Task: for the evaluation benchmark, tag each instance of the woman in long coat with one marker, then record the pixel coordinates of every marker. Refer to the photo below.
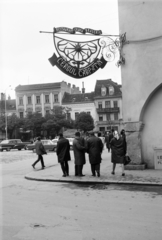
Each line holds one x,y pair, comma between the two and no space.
63,154
79,154
94,149
118,151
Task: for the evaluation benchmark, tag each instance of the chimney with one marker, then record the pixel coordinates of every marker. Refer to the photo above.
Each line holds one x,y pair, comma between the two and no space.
83,89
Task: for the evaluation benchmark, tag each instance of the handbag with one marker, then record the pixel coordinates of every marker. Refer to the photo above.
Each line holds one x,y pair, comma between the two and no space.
127,160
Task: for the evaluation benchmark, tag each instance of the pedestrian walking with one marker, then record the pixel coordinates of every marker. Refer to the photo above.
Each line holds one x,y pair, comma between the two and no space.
63,154
94,149
118,151
40,151
79,149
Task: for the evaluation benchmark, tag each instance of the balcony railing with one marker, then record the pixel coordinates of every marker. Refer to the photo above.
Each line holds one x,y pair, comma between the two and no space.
108,110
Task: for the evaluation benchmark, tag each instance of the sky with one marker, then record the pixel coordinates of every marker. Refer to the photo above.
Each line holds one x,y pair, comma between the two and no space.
24,51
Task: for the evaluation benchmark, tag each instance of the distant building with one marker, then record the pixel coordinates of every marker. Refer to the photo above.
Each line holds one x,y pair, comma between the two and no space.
10,107
76,103
104,105
41,97
108,104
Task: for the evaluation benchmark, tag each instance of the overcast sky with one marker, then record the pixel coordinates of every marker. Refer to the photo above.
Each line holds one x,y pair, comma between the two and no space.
24,52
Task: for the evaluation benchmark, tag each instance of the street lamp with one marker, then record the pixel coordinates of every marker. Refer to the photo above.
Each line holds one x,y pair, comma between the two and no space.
6,111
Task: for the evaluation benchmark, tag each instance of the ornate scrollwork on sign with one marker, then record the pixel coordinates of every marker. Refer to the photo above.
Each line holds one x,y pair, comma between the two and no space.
81,59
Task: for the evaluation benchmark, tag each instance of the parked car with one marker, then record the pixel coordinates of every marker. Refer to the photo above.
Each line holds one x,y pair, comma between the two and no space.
55,140
71,142
12,144
48,145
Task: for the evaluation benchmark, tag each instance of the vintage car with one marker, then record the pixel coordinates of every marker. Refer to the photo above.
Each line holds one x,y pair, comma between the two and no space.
55,140
48,144
9,144
71,142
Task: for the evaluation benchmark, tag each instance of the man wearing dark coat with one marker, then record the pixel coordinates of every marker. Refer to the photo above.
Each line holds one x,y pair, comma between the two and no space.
63,154
94,149
40,150
79,154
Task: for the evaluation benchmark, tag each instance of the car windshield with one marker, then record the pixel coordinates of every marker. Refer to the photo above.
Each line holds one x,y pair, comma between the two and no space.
47,142
5,141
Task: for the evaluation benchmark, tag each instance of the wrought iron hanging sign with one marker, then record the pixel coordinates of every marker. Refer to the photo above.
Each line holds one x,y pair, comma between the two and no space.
80,59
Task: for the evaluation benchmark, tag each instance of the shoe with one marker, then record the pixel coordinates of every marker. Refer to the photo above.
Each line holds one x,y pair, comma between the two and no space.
81,175
93,175
113,173
43,167
33,166
123,174
64,175
98,174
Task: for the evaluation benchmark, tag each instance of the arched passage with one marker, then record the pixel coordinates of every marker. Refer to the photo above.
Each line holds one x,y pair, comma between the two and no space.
151,135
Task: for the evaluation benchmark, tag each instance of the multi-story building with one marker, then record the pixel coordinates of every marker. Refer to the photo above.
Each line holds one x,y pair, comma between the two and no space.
104,105
108,104
76,103
41,97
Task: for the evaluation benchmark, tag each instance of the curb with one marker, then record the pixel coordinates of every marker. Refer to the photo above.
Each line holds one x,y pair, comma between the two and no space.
96,182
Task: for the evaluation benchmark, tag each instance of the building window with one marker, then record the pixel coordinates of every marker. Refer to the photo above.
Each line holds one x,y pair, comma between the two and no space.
21,114
107,104
46,98
76,115
89,113
115,104
100,105
29,100
37,99
102,129
108,116
115,116
103,91
100,117
111,90
68,116
29,112
55,97
47,111
21,101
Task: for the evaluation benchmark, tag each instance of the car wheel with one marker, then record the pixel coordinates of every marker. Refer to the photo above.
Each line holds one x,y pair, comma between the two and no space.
19,149
25,148
8,149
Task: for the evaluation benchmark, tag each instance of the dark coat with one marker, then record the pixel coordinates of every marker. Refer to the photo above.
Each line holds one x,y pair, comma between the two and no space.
63,150
94,149
118,150
40,150
79,151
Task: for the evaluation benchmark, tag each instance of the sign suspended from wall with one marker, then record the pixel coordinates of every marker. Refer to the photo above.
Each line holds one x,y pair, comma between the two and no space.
80,59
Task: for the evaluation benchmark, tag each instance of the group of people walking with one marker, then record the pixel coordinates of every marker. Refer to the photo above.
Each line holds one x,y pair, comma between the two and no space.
93,146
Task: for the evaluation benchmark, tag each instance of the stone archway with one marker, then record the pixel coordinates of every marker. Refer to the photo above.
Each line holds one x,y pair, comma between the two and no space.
151,134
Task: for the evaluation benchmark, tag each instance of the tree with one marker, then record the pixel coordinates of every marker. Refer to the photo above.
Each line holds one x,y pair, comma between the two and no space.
84,122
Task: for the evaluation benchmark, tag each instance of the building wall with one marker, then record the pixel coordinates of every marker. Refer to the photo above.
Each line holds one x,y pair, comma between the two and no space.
142,72
106,124
82,107
43,106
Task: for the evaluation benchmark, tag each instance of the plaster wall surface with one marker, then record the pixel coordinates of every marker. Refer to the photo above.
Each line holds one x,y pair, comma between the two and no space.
151,136
142,71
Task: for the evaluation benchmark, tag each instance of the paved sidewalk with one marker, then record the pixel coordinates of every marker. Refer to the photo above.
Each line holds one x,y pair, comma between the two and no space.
53,173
